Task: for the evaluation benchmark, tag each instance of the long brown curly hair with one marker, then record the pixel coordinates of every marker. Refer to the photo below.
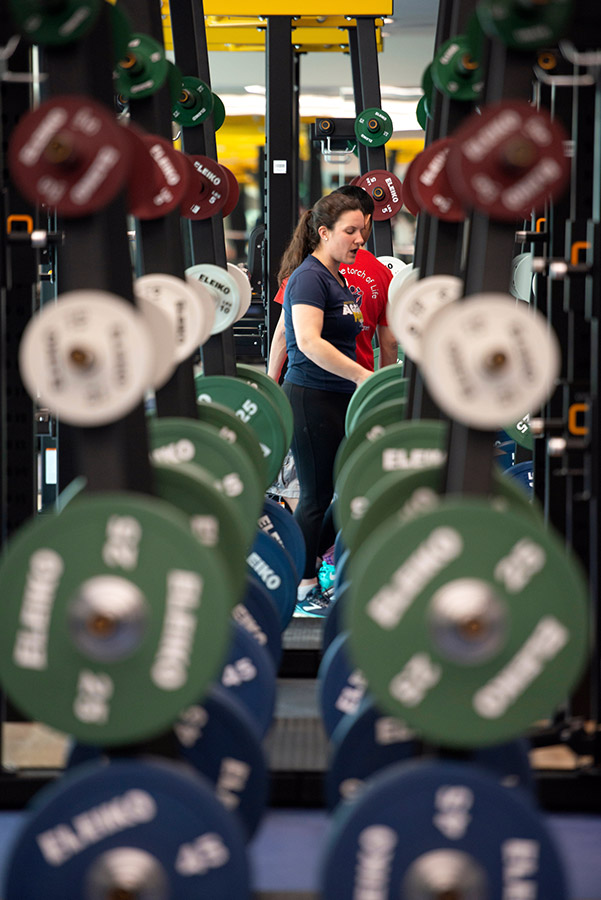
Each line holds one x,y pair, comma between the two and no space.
305,239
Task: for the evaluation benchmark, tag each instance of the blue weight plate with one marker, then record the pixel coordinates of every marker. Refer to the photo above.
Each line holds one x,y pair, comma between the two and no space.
342,567
340,685
273,567
280,524
249,675
338,547
434,829
523,473
258,614
219,739
504,453
333,625
365,743
128,829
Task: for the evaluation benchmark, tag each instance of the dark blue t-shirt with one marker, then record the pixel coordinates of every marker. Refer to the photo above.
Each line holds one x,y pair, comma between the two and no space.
313,284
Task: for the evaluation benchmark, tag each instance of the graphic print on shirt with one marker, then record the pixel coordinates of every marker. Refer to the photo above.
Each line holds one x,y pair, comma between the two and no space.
353,307
357,292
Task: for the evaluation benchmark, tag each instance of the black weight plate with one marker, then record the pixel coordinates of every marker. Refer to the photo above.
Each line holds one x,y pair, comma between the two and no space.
249,675
281,525
340,685
272,565
259,615
440,830
101,829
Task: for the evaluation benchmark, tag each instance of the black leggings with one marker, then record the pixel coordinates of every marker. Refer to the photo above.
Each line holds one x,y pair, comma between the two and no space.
318,430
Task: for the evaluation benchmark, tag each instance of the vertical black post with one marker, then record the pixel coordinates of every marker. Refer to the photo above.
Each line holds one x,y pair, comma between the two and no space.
281,142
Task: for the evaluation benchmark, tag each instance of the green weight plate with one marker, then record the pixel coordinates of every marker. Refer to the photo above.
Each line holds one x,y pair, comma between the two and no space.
231,428
421,113
373,127
218,112
427,84
375,380
113,618
254,408
121,29
455,72
402,447
195,103
143,70
55,25
175,441
214,519
370,426
402,495
469,624
524,26
520,432
390,389
273,390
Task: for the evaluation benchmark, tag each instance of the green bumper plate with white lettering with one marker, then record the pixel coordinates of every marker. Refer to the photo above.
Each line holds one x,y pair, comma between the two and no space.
213,518
113,618
252,406
469,624
368,428
403,495
392,389
175,440
402,447
231,428
273,390
387,375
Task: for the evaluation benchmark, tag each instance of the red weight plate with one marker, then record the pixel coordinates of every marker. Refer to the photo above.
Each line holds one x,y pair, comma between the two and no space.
233,193
430,185
159,177
409,201
69,154
386,191
509,160
207,189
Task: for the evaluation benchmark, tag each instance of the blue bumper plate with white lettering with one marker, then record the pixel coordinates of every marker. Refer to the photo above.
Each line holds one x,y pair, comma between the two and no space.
365,743
340,685
219,739
273,567
259,615
434,829
113,618
469,623
333,625
281,525
130,829
523,474
249,675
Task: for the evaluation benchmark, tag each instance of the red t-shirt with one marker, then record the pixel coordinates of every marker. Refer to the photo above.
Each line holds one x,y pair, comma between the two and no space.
368,280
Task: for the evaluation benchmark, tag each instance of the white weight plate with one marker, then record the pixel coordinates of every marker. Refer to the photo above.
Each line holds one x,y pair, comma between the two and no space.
244,289
416,305
207,303
180,302
89,357
520,284
163,337
393,264
487,358
223,289
399,281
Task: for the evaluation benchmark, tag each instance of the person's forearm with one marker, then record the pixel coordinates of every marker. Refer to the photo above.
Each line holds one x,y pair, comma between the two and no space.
277,351
388,347
328,357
